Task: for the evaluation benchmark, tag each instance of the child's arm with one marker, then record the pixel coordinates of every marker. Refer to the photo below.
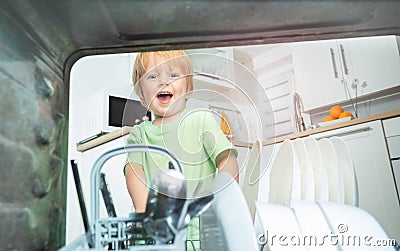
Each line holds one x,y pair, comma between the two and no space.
226,162
136,184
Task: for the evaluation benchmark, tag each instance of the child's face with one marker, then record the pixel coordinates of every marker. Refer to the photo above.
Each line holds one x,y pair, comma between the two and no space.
164,88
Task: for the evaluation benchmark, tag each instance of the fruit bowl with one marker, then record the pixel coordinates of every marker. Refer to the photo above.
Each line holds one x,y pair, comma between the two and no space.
332,122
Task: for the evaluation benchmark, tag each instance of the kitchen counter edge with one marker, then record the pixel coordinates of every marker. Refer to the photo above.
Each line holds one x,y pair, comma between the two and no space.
380,116
126,130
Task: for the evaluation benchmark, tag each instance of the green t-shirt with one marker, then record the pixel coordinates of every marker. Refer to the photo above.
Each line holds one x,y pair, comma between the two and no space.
194,138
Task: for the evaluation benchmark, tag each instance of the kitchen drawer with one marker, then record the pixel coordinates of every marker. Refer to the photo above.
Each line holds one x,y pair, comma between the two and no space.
396,172
392,126
393,146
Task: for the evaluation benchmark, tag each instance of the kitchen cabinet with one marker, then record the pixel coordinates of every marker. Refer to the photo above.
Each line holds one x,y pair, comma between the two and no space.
392,133
376,185
323,67
396,173
316,81
213,72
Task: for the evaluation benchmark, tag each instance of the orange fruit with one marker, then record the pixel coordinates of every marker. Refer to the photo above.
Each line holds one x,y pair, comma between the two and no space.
335,111
345,114
328,118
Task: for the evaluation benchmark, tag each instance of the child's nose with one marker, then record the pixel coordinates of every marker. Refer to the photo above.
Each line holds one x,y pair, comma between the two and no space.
163,81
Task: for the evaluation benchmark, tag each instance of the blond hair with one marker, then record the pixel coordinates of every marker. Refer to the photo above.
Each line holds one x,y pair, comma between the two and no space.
177,58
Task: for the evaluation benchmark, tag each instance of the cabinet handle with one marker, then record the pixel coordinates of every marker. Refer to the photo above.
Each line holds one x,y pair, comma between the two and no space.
363,129
335,72
346,69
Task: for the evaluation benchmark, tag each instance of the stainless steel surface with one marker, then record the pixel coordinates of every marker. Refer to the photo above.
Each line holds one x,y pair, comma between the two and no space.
298,109
342,52
193,208
349,132
43,39
165,205
335,71
69,29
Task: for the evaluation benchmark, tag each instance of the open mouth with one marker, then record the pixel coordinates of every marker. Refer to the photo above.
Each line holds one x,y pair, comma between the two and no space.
164,97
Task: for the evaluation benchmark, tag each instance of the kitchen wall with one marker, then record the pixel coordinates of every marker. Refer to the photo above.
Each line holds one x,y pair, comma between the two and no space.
90,75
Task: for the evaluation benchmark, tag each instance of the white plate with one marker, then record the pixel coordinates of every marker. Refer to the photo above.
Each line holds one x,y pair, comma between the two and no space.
319,173
347,171
277,220
252,176
306,174
349,221
312,222
284,184
329,161
332,122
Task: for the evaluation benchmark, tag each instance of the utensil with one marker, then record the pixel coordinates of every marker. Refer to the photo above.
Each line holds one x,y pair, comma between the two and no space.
194,208
82,204
165,203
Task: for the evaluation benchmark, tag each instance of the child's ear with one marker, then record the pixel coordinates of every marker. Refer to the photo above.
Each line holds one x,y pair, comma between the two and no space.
142,100
141,96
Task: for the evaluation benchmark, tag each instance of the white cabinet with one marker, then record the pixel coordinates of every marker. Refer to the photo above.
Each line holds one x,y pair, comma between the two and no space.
322,68
374,60
377,190
396,173
392,133
315,79
213,72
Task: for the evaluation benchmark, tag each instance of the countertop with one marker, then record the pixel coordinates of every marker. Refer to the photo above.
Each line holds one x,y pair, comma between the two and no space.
380,116
126,130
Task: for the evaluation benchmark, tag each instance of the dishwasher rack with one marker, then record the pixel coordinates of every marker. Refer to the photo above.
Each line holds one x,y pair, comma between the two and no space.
129,233
124,233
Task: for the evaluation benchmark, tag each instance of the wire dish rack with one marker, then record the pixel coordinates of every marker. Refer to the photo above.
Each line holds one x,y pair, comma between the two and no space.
129,233
122,233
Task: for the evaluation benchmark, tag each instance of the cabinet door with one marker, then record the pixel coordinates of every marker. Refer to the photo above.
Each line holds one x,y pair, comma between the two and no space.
214,72
396,173
318,73
377,190
321,67
374,60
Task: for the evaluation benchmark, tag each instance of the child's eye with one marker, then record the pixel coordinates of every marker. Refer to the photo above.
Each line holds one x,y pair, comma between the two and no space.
174,75
152,76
